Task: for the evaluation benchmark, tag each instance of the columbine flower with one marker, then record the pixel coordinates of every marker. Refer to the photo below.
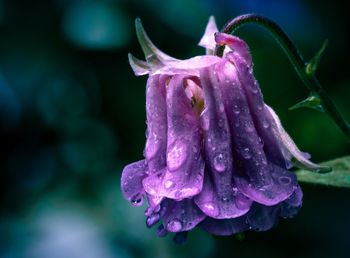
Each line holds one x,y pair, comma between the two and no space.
216,155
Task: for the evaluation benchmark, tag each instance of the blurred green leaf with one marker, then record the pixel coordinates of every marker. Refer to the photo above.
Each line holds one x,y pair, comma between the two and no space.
339,177
312,101
312,66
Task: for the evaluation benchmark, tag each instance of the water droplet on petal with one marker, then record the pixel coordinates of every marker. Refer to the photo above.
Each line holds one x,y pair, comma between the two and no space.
152,219
210,209
236,109
285,180
221,107
168,184
266,124
220,162
174,225
234,190
260,107
246,153
176,156
137,200
249,129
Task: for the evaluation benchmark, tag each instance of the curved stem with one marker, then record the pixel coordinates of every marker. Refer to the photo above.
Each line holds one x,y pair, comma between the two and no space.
296,59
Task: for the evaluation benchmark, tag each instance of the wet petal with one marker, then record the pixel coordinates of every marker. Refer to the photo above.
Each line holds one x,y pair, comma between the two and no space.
183,176
262,119
291,206
256,178
131,181
208,39
181,215
219,197
225,227
155,149
262,218
236,44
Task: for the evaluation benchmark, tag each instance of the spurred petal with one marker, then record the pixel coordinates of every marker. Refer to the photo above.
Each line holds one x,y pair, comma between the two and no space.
181,215
155,149
258,179
236,44
290,150
219,197
153,55
208,40
131,181
138,66
183,176
225,227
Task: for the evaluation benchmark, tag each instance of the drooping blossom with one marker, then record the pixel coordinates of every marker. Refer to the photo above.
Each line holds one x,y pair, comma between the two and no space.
216,156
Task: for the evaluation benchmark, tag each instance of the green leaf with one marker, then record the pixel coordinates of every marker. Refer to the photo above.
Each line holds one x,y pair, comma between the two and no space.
312,66
312,101
339,177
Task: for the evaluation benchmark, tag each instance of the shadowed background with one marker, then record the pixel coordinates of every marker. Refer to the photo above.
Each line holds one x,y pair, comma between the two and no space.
72,114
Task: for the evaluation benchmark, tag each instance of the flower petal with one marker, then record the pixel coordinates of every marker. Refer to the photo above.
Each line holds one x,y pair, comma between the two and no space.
138,66
258,179
181,215
153,55
291,206
219,197
189,66
183,176
208,40
262,119
290,150
236,44
225,227
262,218
155,149
131,181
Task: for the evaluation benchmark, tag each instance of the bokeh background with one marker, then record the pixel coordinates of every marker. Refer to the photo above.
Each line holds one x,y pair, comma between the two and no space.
72,114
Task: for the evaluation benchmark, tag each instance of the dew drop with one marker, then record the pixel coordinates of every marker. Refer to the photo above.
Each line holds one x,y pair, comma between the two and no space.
137,200
220,162
234,190
210,209
285,180
236,124
260,107
266,124
168,184
249,129
255,90
221,107
152,219
195,150
246,153
174,225
205,123
176,156
236,109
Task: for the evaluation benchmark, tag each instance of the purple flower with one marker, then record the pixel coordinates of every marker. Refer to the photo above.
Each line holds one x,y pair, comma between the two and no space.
216,155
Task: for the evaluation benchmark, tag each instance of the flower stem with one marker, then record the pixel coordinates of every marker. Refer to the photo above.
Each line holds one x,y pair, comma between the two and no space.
295,58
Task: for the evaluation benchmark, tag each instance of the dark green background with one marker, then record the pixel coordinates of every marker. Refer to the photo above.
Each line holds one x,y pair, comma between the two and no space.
72,115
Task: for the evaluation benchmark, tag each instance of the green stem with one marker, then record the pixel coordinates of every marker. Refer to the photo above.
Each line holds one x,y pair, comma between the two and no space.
296,59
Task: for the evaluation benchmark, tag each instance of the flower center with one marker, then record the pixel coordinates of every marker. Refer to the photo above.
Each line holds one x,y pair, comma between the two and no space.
195,93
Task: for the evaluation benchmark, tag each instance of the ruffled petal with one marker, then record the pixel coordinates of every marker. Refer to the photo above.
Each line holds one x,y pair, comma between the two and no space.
219,197
262,218
183,176
131,182
236,44
181,215
290,150
256,178
225,227
291,206
155,149
208,40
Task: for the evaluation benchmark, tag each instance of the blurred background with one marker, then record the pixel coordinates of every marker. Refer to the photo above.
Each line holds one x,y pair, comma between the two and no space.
72,114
